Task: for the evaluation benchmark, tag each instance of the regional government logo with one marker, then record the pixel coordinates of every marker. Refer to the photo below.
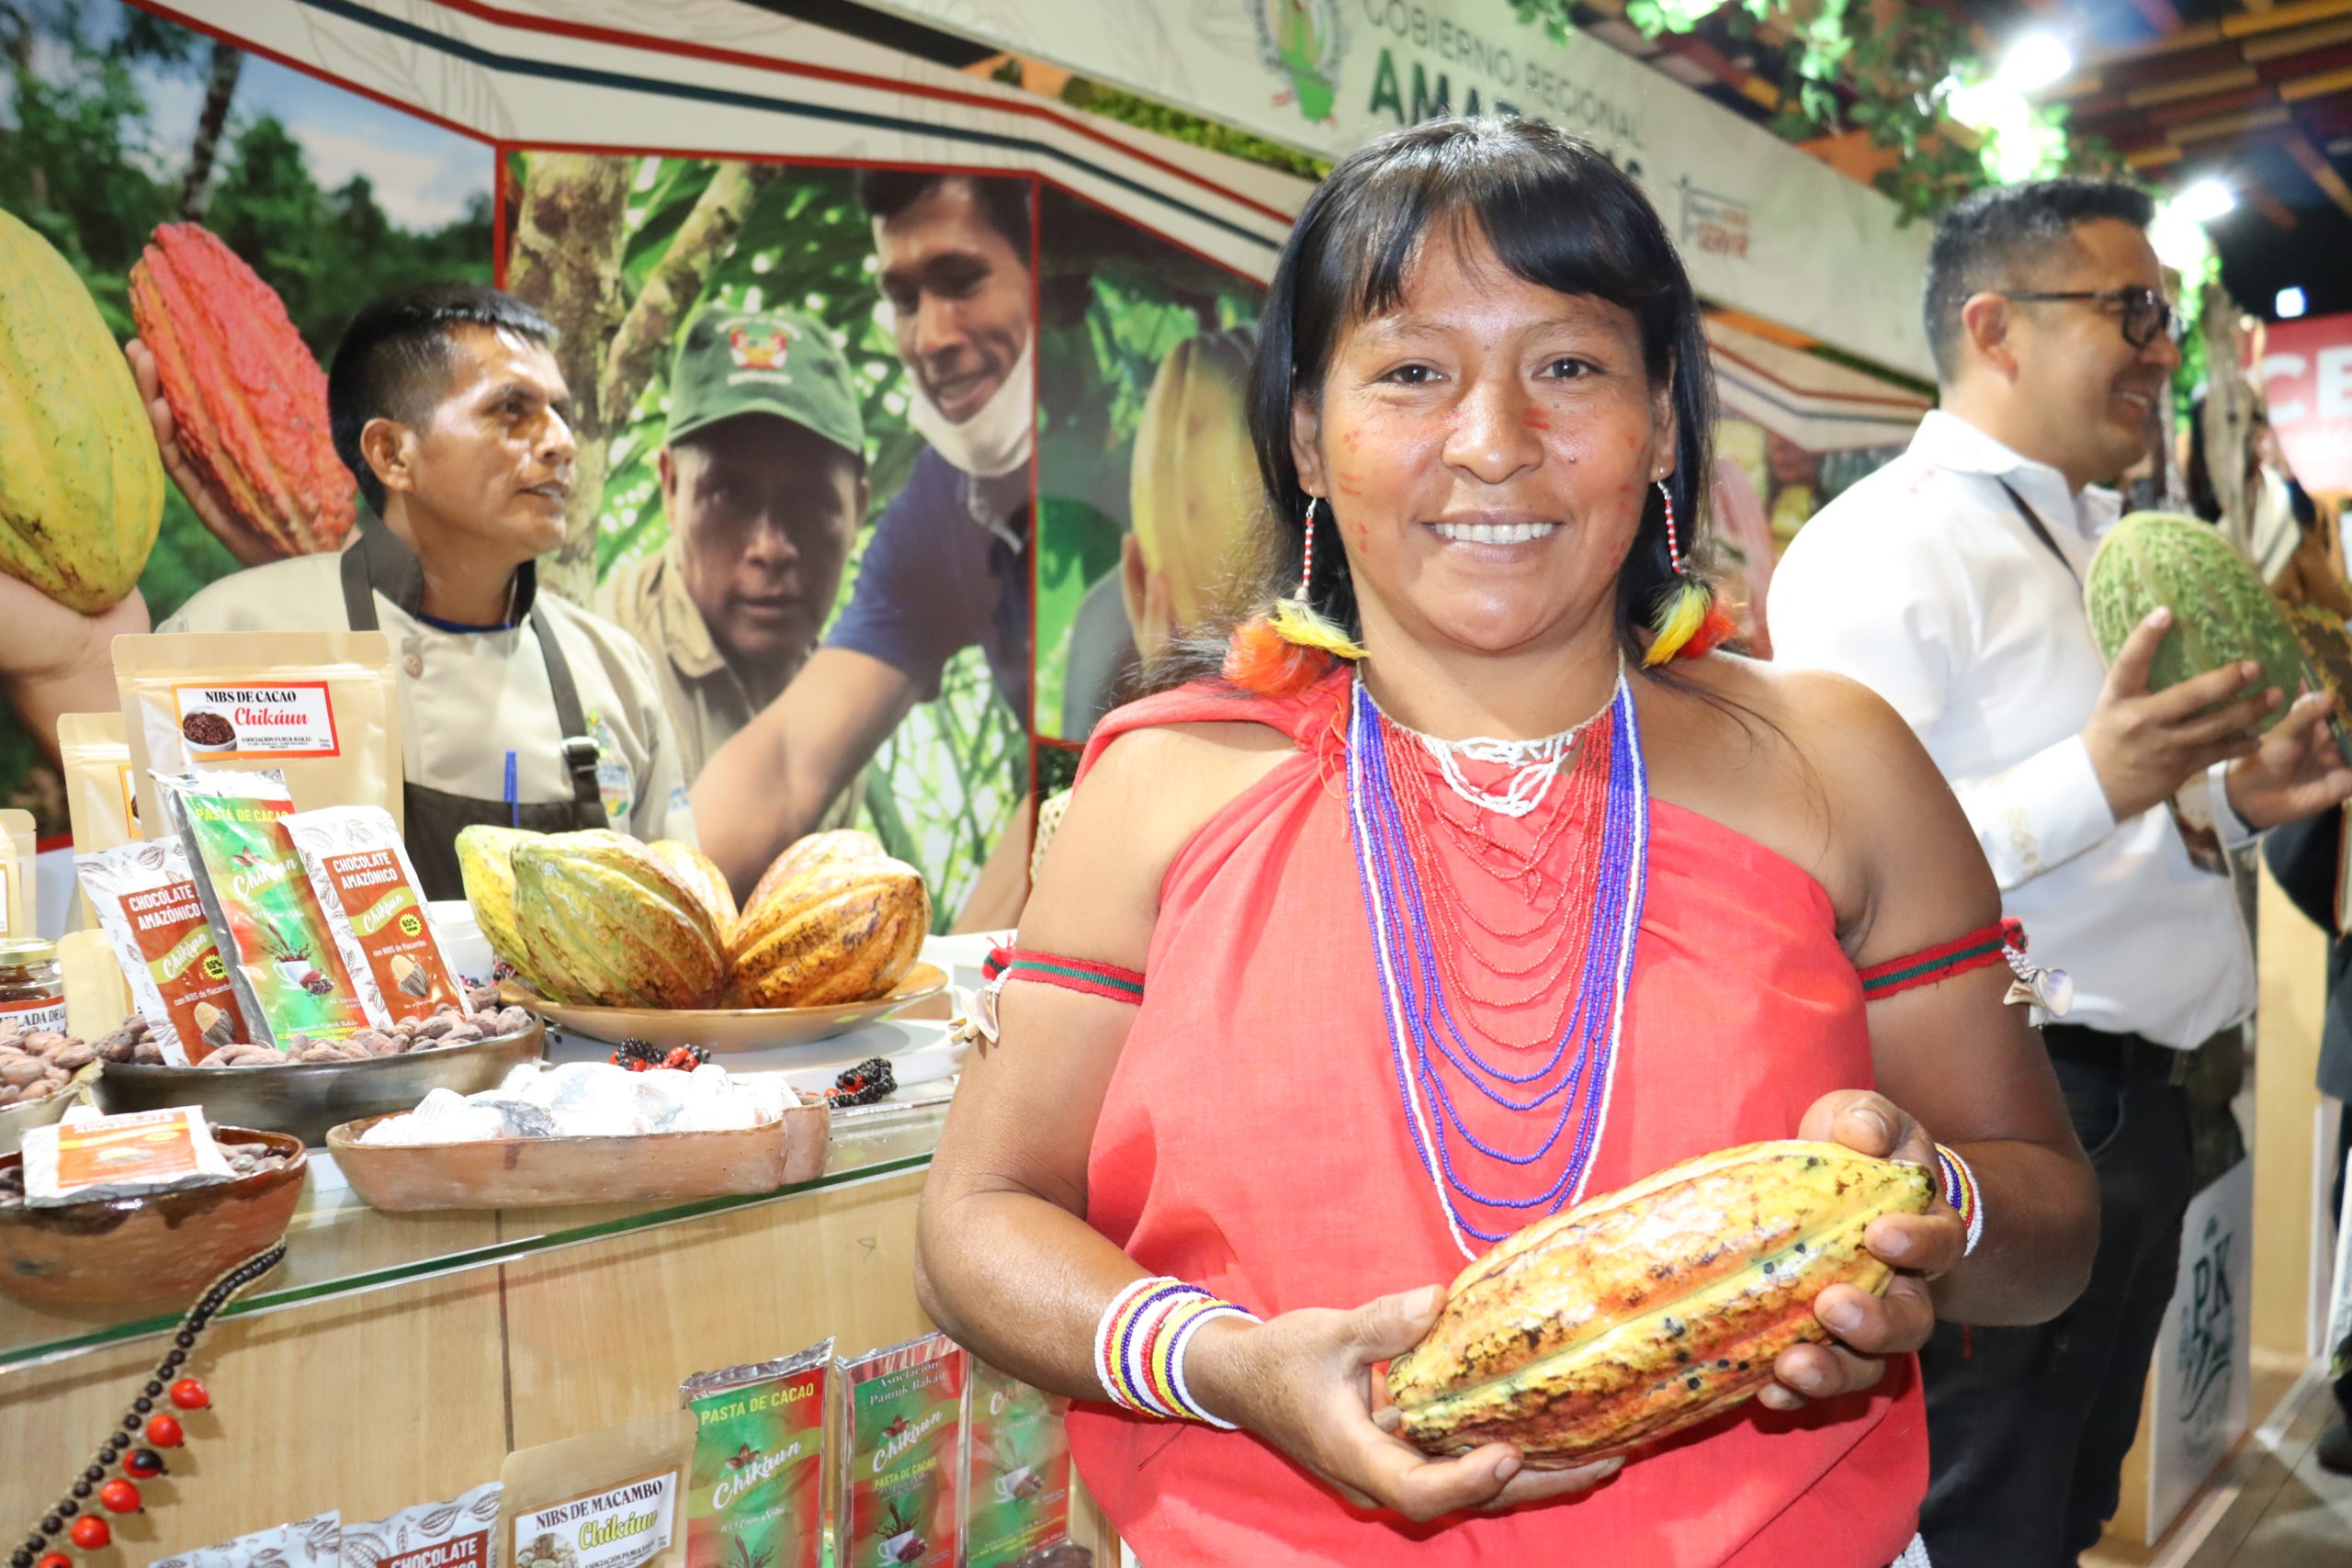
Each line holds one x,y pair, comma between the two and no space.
764,349
1300,41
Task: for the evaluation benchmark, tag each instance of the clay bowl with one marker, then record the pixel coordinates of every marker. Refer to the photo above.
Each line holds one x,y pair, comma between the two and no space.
44,1113
114,1251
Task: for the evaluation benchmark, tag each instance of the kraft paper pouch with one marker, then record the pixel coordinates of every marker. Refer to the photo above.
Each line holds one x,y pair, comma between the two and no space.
1016,1485
459,1533
288,978
19,918
153,914
320,708
756,1484
100,800
902,1454
360,875
607,1499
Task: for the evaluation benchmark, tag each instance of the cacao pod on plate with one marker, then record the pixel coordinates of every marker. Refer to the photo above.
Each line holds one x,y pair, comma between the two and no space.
836,930
606,924
249,401
1645,1311
486,864
816,853
702,878
2221,611
80,486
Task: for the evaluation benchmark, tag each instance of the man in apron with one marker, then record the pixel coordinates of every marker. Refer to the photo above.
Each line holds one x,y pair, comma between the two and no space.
517,709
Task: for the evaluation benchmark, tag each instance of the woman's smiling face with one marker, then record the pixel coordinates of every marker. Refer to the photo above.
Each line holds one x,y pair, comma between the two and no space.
1486,447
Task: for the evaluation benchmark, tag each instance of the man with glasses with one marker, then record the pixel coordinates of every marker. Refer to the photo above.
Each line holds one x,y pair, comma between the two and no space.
1951,583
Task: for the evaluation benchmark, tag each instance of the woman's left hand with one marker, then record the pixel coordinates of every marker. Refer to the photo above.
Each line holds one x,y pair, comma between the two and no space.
1865,1329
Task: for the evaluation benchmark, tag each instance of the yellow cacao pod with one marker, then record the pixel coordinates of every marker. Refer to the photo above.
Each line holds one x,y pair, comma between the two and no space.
606,924
803,856
486,865
1193,486
80,485
702,879
1647,1310
838,931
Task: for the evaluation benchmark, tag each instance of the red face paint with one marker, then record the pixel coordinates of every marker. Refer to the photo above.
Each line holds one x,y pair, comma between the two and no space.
1536,419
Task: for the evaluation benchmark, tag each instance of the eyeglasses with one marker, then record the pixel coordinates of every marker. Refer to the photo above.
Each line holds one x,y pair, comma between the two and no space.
2146,311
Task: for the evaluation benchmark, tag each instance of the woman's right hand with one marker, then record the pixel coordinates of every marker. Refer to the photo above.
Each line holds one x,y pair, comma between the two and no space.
1303,1381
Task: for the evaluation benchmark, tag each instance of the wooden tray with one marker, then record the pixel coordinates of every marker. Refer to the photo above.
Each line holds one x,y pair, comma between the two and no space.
535,1173
729,1029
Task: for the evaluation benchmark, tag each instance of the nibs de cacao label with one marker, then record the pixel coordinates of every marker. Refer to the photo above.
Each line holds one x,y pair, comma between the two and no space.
757,1479
903,1461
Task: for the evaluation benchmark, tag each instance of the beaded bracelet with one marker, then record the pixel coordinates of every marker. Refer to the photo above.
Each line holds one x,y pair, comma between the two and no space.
1960,1191
1140,1343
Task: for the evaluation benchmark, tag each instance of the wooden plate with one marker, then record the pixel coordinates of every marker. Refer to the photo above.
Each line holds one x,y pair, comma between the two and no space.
727,1028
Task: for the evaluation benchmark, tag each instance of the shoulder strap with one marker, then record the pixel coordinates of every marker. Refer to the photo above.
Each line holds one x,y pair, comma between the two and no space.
1302,714
579,746
2033,521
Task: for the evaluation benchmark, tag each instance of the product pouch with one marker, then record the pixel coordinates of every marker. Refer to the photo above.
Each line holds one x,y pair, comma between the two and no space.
101,803
18,917
82,1159
314,1542
320,708
147,904
1016,1485
902,1454
97,993
287,977
365,888
757,1479
459,1533
605,1499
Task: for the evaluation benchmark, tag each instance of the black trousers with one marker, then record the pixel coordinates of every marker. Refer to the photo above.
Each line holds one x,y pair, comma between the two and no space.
2027,1427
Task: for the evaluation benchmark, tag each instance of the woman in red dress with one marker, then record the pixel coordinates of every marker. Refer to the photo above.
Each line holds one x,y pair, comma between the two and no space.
1354,965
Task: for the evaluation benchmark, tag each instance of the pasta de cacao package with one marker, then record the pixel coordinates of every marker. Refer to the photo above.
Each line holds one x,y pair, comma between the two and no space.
18,917
100,800
459,1533
146,901
902,1454
322,709
756,1483
1016,1482
367,889
287,977
605,1499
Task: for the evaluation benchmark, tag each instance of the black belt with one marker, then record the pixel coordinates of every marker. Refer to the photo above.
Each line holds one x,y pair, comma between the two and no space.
2133,1059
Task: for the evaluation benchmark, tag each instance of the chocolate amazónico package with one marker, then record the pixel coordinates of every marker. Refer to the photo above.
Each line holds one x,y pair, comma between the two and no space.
1017,1478
459,1533
146,902
314,1542
902,1456
605,1499
756,1483
289,977
367,889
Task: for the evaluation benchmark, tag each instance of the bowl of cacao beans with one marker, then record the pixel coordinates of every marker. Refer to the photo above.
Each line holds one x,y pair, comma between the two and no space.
41,1075
310,1086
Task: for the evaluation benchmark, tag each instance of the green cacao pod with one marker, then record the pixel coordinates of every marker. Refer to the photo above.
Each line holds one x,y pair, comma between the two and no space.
80,486
1640,1312
606,924
2221,613
249,401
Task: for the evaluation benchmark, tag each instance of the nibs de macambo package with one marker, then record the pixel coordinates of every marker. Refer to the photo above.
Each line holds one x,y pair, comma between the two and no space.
289,976
603,1499
360,874
146,901
320,708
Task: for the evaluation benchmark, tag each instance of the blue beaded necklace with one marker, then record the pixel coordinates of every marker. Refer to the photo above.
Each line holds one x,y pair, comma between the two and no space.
1426,1040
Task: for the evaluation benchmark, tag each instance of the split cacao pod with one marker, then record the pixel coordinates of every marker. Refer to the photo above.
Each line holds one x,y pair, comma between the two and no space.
606,923
702,879
2221,614
80,486
1645,1311
249,401
833,921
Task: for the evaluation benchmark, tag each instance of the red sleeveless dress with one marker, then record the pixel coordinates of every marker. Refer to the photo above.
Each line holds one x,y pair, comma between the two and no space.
1253,1142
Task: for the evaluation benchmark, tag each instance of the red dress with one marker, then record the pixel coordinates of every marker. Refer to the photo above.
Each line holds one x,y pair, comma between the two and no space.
1252,1142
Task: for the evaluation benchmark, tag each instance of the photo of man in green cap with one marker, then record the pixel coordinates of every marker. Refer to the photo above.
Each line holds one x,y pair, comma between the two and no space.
762,471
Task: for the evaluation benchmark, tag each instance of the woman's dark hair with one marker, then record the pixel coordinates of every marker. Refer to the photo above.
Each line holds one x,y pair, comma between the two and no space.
1555,211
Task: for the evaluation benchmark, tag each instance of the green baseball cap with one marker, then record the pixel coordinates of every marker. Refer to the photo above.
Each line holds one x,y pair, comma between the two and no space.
778,362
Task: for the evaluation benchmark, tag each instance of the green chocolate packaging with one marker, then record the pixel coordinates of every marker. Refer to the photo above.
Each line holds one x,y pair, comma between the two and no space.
1016,1484
756,1482
902,1456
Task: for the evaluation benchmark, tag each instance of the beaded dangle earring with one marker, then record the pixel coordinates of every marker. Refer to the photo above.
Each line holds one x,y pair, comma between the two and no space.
1686,622
1269,654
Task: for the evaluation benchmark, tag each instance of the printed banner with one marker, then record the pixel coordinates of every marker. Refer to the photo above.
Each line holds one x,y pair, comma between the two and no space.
2198,1383
2306,377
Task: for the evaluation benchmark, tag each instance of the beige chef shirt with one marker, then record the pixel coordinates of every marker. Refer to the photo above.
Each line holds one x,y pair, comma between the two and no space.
467,698
706,701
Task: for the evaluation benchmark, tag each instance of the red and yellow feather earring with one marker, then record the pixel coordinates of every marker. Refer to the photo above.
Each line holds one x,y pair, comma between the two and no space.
1276,653
1688,621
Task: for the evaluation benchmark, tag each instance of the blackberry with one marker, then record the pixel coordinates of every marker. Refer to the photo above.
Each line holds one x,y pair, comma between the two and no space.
863,1084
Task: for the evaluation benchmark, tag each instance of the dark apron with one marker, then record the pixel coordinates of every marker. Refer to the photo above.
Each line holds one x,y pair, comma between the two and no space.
435,816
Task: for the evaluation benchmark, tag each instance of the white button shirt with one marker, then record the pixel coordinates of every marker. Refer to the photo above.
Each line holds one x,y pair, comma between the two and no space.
1924,583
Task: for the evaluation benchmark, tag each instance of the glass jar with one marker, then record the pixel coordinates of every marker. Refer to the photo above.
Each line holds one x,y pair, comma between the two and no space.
32,989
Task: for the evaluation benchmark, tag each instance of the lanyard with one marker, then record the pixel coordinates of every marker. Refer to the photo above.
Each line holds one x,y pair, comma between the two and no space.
2039,532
